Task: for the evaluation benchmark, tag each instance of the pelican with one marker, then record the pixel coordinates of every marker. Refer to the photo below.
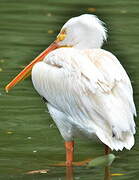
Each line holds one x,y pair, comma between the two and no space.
86,89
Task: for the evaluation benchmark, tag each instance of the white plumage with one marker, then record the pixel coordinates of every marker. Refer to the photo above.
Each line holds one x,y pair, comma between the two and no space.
91,92
86,87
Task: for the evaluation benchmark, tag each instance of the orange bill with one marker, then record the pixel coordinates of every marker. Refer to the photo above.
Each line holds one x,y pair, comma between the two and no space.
27,70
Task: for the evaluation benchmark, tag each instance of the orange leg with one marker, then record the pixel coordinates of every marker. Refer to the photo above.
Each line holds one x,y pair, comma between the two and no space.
107,150
69,145
107,169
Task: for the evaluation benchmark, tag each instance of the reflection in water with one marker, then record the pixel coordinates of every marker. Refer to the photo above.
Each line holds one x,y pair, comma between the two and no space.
70,173
107,175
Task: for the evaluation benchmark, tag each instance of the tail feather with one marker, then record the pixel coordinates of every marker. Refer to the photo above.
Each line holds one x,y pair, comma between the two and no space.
126,141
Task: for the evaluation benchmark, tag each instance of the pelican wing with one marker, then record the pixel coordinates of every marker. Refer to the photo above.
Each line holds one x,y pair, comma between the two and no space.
92,89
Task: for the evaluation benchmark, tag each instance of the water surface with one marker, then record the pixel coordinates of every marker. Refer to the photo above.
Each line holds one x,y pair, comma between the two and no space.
28,137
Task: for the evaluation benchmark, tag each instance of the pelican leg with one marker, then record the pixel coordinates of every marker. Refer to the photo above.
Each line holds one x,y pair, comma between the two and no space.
107,150
69,145
107,175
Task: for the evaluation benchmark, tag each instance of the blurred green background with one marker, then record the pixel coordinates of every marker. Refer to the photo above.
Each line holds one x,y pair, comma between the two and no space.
29,139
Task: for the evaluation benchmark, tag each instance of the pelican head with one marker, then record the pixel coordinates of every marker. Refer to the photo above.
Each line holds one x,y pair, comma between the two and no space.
82,32
85,31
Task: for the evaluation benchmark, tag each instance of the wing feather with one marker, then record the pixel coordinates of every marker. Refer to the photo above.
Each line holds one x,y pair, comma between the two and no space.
92,89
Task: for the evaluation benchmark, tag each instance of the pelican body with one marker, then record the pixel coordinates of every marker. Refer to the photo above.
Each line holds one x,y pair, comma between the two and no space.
87,90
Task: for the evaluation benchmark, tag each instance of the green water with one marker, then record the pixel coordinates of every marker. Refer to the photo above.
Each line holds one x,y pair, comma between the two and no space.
29,140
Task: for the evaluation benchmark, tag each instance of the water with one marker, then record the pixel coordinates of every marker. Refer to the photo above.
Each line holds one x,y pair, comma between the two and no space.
29,140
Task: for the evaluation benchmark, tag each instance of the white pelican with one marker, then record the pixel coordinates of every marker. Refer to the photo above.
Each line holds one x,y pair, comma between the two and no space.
87,91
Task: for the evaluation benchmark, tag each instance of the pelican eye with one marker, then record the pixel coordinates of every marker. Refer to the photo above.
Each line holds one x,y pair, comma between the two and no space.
61,36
